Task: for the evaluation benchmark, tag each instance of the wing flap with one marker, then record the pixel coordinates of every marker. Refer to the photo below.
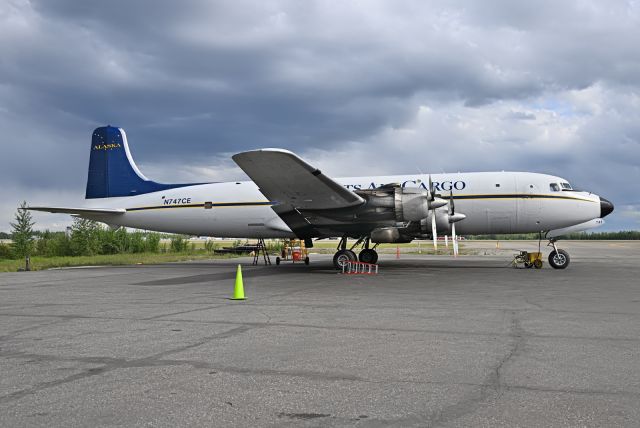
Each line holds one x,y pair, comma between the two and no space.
285,178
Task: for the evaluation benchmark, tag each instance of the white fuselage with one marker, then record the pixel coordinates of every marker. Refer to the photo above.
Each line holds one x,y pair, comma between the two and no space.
493,202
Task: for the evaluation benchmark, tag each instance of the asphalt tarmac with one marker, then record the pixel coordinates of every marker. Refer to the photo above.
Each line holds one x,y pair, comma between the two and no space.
430,341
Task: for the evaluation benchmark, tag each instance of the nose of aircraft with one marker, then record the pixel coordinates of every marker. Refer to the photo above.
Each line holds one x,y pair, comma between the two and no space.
606,207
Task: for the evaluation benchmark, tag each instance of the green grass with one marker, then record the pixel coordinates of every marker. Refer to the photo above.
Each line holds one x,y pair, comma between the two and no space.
41,263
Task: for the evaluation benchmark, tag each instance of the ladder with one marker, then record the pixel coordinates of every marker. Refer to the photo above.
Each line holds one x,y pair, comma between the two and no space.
261,248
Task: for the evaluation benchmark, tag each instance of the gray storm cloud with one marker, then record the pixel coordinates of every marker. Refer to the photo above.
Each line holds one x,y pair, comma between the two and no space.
357,87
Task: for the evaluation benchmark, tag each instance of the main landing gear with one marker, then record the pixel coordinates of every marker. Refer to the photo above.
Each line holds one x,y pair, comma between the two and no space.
558,259
344,255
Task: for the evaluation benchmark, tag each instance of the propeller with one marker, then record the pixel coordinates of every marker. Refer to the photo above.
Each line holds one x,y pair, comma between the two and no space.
434,201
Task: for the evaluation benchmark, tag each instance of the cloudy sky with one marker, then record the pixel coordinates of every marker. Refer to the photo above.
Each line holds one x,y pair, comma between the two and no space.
356,87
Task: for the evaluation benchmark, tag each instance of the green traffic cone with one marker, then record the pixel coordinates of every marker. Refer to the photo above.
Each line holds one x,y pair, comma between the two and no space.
238,291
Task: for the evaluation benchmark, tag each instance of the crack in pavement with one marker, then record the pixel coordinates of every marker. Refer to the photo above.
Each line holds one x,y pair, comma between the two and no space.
492,389
334,327
113,364
468,405
181,312
12,334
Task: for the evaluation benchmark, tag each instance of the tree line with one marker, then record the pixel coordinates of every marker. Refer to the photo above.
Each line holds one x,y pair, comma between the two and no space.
87,238
586,236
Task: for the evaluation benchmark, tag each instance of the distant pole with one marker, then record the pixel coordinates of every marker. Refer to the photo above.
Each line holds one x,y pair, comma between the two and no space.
27,263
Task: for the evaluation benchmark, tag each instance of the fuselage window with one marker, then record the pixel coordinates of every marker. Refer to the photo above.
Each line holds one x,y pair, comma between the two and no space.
208,205
554,187
497,185
566,186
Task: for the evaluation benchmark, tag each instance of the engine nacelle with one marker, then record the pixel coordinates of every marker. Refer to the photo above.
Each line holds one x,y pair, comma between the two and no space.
442,222
389,235
398,204
411,204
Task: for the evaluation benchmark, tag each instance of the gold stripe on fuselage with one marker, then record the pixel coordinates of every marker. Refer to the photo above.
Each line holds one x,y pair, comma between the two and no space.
201,205
457,196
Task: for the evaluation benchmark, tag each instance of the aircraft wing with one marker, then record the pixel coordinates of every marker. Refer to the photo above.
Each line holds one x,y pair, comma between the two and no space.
80,211
288,180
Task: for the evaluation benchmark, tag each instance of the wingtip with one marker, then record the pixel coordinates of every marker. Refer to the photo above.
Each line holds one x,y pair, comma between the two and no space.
266,149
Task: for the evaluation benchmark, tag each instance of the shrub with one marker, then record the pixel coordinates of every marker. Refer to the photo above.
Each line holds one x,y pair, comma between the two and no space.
178,244
44,243
5,252
108,241
85,237
210,246
136,242
152,242
60,246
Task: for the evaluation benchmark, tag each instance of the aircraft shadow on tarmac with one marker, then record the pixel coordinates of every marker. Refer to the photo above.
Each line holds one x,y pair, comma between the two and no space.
395,267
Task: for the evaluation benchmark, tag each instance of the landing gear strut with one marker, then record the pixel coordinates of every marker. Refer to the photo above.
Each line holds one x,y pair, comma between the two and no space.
558,259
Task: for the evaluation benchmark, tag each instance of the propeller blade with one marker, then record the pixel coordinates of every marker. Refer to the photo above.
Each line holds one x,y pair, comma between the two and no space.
454,237
452,207
432,195
434,231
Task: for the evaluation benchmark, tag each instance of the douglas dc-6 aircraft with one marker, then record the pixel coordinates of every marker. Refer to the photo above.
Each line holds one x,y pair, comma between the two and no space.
288,198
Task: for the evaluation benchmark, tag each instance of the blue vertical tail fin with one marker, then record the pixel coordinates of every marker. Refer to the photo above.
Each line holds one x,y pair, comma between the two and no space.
112,171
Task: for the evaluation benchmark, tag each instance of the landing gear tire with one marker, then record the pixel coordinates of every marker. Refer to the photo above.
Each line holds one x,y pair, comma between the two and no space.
559,259
306,260
277,261
368,256
537,264
342,257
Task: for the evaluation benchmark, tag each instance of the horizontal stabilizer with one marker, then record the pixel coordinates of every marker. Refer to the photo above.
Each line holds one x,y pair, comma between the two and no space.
80,211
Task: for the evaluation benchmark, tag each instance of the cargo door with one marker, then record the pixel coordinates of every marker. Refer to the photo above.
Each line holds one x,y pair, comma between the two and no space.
530,208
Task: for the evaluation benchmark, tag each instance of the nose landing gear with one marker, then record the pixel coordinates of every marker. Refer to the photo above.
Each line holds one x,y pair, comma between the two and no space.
558,259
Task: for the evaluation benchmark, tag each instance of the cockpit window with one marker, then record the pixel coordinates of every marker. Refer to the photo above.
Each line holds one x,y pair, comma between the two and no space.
554,187
566,186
